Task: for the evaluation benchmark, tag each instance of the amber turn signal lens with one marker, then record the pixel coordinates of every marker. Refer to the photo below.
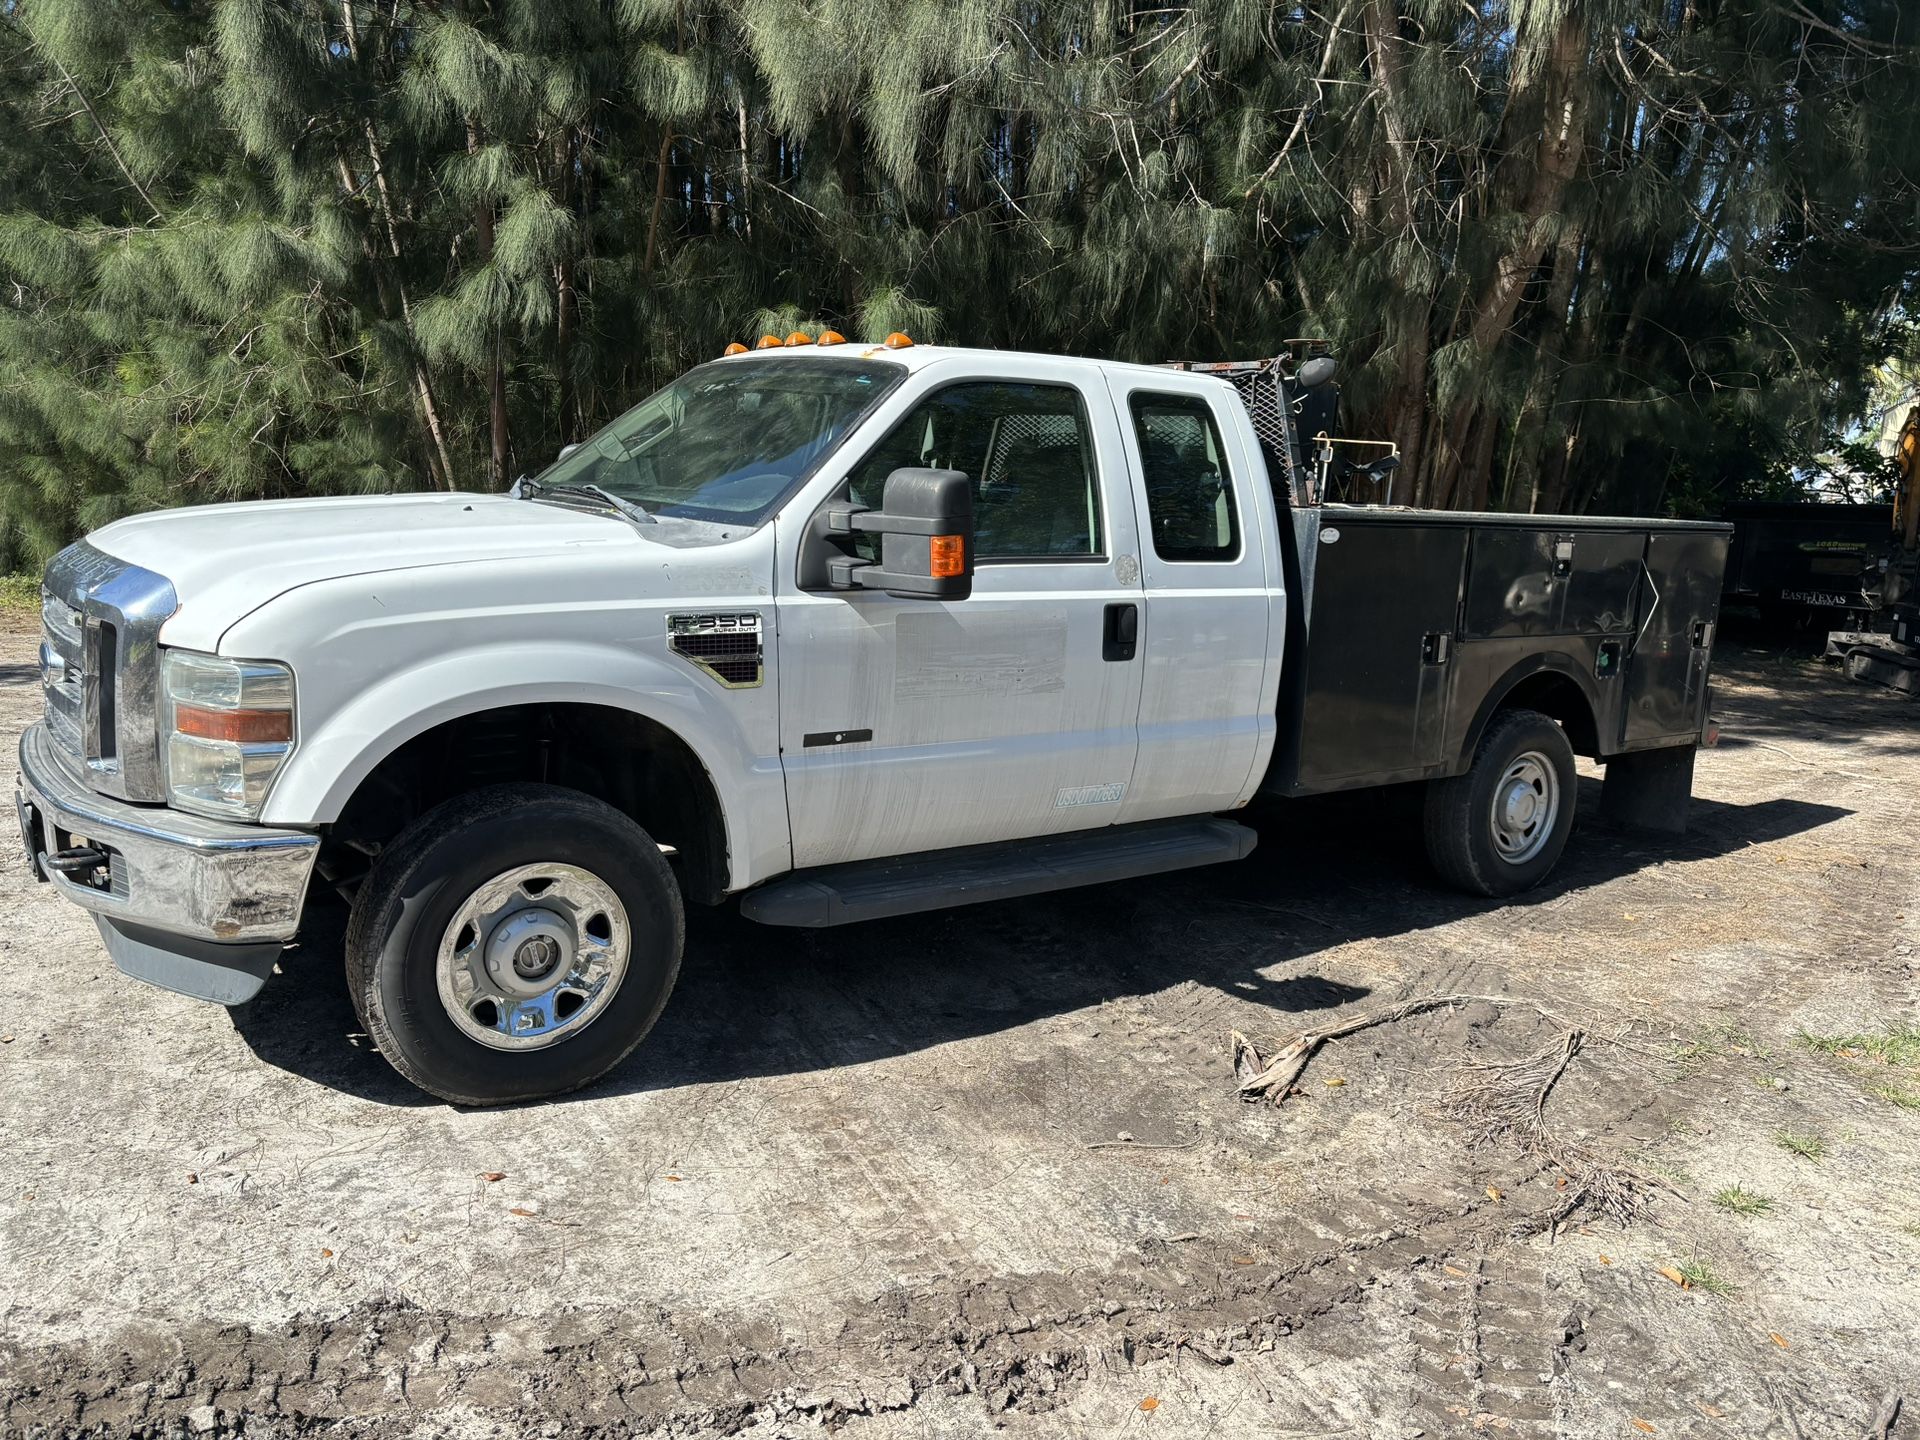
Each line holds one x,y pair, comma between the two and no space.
897,341
241,727
831,337
947,556
736,348
799,337
767,342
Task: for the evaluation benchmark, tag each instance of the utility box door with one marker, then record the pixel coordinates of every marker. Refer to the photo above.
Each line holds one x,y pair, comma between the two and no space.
1540,580
1386,600
1667,674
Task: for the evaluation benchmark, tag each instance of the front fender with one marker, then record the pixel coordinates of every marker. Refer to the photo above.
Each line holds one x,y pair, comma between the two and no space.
333,758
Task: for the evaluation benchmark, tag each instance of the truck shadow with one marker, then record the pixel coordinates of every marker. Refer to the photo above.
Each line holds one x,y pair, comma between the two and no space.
756,1002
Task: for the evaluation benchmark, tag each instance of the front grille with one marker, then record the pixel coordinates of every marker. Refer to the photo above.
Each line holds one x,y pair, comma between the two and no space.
100,620
62,664
727,647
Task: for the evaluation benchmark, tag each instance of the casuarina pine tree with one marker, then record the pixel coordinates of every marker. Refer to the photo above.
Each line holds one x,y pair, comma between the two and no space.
1623,255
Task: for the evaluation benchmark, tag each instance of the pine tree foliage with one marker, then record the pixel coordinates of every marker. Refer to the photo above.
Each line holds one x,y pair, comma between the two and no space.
1575,254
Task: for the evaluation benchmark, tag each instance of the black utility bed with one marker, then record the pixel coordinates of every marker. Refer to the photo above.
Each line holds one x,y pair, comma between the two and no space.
1407,629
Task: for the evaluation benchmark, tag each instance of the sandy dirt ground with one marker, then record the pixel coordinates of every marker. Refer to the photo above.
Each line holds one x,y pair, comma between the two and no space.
873,1180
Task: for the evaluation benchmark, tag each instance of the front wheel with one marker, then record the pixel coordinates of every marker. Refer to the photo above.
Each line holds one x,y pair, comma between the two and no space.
1499,828
514,943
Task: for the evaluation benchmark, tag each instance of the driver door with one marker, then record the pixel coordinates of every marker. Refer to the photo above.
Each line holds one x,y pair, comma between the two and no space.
912,725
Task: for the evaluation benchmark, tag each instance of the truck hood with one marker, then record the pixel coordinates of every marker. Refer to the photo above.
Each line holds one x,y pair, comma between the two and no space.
226,561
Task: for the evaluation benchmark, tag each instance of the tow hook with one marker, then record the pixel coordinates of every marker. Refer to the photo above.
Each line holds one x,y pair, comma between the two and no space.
78,862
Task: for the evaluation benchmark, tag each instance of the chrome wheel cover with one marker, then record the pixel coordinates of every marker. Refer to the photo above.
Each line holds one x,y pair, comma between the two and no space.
533,957
1526,803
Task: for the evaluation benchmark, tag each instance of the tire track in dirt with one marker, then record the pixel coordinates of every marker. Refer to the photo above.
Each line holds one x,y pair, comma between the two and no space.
1023,1343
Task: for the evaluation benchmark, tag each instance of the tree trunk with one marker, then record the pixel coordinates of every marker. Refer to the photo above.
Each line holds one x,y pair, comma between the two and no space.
746,175
499,457
565,301
1408,323
1555,102
1526,453
439,464
659,199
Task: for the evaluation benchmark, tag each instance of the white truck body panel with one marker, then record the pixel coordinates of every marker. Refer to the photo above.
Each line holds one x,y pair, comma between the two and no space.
1211,635
227,560
387,657
995,717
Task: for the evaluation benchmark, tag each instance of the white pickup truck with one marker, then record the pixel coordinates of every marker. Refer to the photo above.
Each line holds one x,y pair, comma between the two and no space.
844,631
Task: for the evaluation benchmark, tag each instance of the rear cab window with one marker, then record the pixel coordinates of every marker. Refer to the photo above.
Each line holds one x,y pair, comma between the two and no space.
1191,515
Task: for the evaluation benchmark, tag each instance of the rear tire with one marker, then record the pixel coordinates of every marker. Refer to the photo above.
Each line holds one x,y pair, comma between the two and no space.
1499,829
513,944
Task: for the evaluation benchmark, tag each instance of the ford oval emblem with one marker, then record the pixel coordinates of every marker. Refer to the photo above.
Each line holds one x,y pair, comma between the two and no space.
1329,535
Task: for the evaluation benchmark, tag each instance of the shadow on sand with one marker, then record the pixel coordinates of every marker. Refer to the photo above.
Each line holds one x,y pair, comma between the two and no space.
755,1001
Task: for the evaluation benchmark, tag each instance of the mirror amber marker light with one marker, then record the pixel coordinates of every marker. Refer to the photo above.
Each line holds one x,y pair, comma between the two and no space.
947,556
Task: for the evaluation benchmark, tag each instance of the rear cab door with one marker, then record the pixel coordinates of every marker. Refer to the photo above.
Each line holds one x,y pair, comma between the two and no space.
1214,592
910,725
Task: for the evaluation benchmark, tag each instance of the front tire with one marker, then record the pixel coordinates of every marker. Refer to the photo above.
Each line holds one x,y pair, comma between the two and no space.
1499,829
514,943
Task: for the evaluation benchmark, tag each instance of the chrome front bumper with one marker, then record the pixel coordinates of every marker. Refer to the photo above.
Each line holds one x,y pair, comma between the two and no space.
201,906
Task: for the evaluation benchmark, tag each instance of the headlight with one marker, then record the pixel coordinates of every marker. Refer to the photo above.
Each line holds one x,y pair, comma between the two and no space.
229,728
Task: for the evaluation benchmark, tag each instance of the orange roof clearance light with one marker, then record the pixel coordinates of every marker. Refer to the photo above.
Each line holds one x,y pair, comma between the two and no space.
831,337
767,342
736,348
947,555
799,337
897,341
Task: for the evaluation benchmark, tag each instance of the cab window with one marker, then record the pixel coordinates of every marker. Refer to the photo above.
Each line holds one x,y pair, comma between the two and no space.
1183,464
1028,452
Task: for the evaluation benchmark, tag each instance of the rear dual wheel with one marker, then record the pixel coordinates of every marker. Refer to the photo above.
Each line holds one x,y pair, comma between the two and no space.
513,944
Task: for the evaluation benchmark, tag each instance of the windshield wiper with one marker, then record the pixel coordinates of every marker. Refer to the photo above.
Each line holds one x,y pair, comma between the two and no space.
527,489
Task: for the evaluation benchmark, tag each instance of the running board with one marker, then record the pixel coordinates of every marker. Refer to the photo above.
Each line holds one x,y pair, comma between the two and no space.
938,879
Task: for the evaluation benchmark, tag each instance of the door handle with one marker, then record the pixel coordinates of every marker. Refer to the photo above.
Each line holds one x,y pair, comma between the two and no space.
1122,632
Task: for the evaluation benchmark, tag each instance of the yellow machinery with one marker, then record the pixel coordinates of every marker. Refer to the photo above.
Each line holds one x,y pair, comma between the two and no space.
1889,653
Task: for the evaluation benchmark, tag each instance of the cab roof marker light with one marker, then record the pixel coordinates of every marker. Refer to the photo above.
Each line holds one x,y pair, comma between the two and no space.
736,348
831,337
767,342
897,341
799,337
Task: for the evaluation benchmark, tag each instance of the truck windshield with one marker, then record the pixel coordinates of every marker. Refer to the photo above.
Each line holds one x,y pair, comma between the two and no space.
727,442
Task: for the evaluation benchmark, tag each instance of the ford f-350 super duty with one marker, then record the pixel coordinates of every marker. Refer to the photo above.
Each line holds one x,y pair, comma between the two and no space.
835,631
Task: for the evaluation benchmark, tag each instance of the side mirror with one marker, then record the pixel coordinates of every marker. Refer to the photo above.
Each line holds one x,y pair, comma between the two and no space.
1384,466
1316,372
925,525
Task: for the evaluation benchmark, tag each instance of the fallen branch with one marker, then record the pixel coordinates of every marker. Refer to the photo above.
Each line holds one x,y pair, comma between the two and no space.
1509,1102
1501,1101
1272,1078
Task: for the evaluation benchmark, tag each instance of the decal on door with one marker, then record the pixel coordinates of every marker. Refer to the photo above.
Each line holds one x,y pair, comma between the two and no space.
1075,795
